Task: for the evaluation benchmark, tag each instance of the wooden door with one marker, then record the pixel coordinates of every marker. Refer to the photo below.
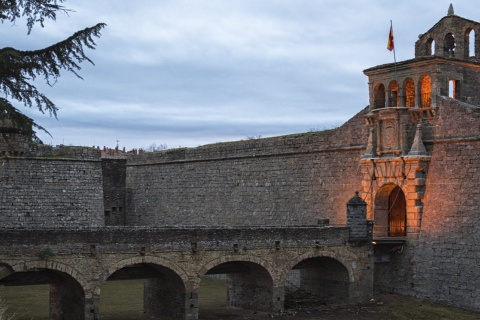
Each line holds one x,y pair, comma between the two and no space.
397,217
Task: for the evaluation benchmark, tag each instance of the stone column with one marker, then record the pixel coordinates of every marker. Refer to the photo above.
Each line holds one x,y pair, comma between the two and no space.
66,302
247,291
165,299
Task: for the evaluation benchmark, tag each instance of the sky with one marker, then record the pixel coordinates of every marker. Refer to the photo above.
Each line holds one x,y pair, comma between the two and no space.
184,73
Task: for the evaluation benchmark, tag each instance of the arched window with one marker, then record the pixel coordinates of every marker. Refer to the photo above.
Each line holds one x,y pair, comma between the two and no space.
409,86
425,92
393,94
379,96
430,47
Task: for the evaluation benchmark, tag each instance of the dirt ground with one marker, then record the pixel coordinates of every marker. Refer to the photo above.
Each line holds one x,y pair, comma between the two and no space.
385,306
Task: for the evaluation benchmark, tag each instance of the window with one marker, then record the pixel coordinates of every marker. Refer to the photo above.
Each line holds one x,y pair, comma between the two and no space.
409,92
425,92
453,89
430,47
393,96
379,96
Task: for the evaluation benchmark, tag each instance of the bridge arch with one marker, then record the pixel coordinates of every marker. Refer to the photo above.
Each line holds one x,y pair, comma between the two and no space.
317,276
67,286
344,258
143,260
232,258
5,270
52,265
249,281
165,284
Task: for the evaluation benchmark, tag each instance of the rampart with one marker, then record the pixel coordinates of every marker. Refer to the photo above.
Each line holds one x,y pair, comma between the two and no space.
287,180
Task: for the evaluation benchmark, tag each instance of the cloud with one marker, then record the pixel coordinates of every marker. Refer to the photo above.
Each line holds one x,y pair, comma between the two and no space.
182,72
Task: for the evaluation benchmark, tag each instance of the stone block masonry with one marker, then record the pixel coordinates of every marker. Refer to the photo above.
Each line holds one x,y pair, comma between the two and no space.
51,192
290,180
447,251
174,260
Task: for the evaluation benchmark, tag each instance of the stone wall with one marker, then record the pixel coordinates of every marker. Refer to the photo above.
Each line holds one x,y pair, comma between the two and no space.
291,180
447,256
442,264
114,176
53,191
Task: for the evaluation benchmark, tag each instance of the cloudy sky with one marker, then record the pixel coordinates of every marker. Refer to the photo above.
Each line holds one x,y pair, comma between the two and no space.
192,72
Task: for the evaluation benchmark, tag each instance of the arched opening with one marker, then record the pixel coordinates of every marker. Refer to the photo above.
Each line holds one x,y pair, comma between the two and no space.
430,47
242,285
44,293
409,86
425,92
449,45
393,94
379,96
452,89
143,289
469,43
390,213
315,281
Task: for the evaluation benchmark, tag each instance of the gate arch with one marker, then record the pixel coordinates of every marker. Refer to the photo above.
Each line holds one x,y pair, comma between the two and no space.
390,214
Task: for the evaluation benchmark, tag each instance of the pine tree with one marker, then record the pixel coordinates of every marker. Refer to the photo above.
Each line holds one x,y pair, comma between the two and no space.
19,69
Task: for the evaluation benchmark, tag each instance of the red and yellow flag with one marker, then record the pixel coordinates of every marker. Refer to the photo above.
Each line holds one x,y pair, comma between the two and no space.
390,44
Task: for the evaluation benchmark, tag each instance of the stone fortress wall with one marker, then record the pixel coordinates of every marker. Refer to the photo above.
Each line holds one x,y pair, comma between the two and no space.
299,180
291,180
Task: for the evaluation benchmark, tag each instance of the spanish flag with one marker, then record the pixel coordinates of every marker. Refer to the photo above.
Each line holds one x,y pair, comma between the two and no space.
390,44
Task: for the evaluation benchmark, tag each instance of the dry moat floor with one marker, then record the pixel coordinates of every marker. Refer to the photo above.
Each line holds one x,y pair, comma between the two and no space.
384,306
122,300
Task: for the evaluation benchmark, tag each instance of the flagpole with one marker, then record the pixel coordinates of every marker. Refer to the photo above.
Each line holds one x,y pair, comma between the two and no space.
394,56
395,62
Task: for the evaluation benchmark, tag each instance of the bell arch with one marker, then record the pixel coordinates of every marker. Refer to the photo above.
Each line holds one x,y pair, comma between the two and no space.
470,45
430,45
449,45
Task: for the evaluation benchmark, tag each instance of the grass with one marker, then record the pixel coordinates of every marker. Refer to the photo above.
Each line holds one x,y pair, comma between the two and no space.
122,300
26,302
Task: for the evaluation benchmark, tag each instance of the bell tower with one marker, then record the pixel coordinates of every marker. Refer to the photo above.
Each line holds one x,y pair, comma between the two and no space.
405,99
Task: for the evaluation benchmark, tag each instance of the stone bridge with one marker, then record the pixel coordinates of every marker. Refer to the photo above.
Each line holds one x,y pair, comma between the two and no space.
257,261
